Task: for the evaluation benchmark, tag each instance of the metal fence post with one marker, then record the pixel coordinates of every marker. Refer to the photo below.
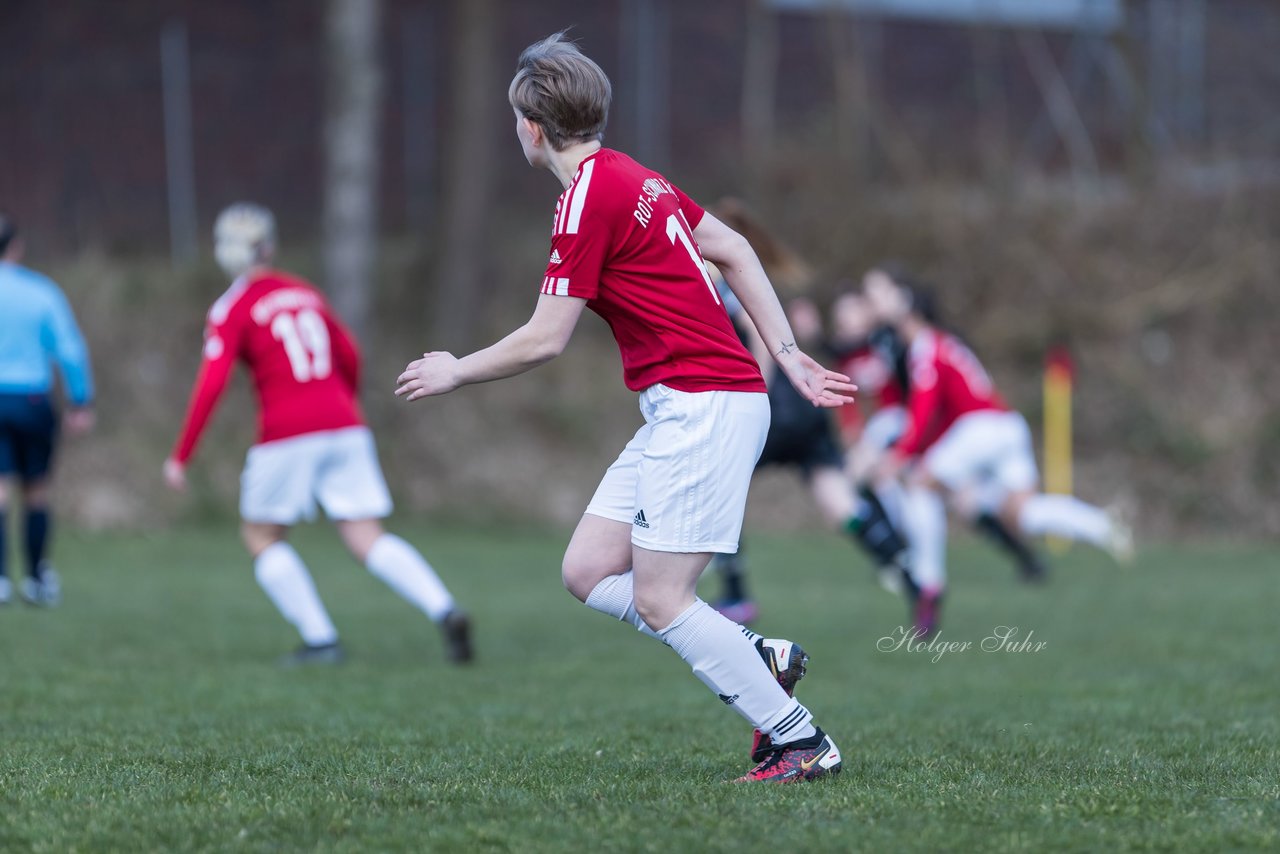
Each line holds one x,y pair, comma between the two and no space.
175,82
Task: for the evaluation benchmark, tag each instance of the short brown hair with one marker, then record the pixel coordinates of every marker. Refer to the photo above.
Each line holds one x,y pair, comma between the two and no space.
562,90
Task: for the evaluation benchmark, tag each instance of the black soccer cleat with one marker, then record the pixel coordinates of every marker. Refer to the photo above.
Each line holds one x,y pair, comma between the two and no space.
788,663
785,660
456,629
308,654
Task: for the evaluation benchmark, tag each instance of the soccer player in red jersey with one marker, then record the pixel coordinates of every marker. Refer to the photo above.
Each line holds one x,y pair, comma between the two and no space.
629,245
313,445
872,356
967,444
875,358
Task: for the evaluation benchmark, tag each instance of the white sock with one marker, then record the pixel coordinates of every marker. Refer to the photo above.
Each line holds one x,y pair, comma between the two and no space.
891,498
406,571
727,663
284,577
1064,516
615,596
924,519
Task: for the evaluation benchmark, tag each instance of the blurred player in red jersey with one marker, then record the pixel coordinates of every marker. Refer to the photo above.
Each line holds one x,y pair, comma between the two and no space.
630,246
966,444
874,356
313,446
801,437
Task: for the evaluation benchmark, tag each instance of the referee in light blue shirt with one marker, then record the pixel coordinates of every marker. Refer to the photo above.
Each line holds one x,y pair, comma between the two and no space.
37,331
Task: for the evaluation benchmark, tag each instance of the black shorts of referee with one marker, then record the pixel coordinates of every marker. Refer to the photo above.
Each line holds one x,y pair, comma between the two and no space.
28,435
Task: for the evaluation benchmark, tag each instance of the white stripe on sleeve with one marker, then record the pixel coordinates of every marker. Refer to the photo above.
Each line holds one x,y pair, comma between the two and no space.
579,197
556,287
562,210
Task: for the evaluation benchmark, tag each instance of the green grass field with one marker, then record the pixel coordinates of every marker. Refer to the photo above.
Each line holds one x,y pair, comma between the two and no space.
147,712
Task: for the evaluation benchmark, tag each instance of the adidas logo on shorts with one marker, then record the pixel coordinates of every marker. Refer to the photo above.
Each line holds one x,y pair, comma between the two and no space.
640,521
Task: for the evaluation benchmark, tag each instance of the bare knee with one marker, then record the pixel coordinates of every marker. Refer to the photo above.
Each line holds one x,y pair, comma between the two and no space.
655,609
359,535
259,536
580,575
666,584
659,604
599,548
582,570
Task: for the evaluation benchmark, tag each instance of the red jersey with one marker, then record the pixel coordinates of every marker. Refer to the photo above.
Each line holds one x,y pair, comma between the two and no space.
304,364
947,381
623,241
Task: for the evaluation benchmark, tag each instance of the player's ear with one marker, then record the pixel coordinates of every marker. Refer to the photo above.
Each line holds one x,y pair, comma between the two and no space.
536,135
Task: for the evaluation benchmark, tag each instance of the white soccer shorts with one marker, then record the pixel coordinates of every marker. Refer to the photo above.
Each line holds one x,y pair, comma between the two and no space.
983,449
283,480
682,481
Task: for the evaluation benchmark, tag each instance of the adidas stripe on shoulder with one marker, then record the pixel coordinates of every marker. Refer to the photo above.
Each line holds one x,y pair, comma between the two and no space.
574,200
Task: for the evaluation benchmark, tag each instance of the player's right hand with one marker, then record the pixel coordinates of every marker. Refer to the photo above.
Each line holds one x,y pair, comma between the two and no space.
816,384
175,474
434,373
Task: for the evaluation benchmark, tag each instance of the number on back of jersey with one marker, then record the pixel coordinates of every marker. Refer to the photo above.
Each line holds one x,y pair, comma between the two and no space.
306,342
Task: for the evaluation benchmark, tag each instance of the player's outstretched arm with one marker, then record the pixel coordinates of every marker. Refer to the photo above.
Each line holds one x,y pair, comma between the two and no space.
737,261
540,340
215,371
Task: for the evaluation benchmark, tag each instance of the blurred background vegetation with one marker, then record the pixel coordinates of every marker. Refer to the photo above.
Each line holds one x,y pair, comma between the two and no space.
1095,172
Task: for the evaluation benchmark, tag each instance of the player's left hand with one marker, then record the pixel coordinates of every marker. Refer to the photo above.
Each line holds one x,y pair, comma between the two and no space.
175,474
817,384
79,420
433,374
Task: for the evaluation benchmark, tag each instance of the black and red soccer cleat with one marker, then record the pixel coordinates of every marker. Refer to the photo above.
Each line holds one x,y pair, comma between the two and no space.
927,613
788,663
456,629
797,761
